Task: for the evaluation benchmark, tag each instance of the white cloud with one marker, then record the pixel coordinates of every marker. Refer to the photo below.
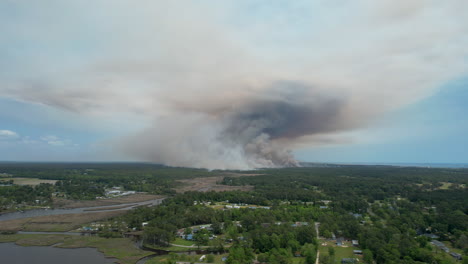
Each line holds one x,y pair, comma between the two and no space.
56,141
7,135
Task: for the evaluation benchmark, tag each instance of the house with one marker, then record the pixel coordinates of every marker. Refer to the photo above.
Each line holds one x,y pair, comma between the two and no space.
340,241
357,215
357,252
348,260
136,235
431,236
456,255
440,245
189,237
181,232
355,243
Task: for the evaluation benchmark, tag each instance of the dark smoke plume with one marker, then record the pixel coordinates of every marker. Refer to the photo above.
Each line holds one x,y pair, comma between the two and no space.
247,135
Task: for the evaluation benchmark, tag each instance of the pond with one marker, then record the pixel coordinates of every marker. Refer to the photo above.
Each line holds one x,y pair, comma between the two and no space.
14,254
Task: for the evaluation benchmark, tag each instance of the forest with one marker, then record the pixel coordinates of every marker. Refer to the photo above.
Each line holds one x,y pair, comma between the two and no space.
395,213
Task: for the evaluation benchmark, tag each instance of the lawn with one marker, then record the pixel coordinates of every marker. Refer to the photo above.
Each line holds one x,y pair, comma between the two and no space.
340,252
183,242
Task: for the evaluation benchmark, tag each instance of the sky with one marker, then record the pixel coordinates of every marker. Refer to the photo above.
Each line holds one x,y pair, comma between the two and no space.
234,84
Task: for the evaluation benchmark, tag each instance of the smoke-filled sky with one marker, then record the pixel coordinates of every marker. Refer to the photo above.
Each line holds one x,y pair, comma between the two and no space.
234,84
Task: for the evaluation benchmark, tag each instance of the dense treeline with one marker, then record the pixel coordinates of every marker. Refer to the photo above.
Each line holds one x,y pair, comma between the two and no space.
384,207
388,209
267,232
17,195
86,181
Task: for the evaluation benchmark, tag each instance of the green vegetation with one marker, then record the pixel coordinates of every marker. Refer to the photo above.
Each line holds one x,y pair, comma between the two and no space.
83,181
394,213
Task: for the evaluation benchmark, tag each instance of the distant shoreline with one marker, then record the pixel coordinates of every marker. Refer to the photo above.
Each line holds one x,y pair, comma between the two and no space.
396,164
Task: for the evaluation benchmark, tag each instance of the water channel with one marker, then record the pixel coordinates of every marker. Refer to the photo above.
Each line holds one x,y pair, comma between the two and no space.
52,255
106,208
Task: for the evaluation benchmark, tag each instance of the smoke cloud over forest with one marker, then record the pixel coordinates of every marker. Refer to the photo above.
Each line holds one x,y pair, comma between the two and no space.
234,85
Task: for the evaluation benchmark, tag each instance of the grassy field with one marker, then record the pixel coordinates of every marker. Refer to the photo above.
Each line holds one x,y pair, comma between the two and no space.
340,252
445,185
120,248
29,181
56,223
183,242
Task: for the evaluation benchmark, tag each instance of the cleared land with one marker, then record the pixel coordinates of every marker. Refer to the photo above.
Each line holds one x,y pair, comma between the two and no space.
56,223
134,198
29,181
345,251
207,184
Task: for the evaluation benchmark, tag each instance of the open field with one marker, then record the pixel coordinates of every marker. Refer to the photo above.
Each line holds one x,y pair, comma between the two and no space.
56,223
206,184
120,248
183,242
29,181
340,252
134,198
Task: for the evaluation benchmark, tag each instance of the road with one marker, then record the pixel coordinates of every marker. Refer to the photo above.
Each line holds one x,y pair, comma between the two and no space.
317,224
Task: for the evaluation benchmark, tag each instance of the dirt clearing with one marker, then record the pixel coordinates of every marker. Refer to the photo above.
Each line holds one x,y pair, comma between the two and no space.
207,184
29,181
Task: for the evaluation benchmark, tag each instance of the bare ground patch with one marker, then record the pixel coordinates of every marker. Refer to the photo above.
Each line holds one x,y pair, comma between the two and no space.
207,184
30,181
